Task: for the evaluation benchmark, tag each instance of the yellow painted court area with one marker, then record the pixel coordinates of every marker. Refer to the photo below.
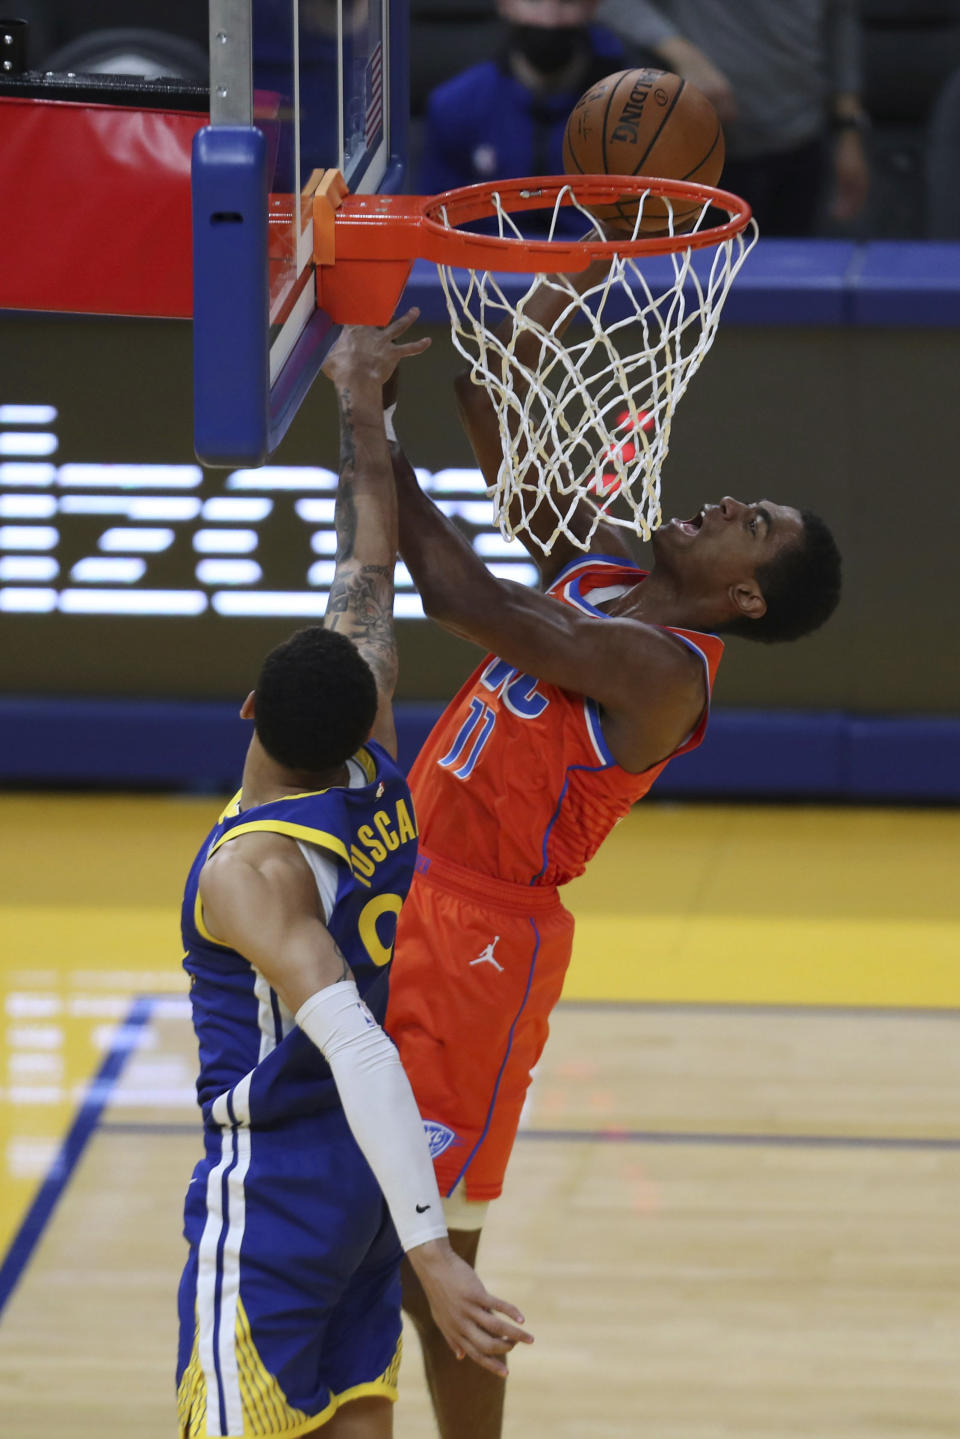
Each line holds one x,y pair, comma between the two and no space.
762,905
718,904
802,905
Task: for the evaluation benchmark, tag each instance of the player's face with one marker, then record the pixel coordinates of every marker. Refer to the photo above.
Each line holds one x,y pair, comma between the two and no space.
553,13
730,539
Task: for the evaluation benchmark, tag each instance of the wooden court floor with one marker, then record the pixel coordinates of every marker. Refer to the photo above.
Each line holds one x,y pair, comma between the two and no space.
732,1209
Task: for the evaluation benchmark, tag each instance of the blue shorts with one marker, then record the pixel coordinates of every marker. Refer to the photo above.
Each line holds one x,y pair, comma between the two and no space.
290,1299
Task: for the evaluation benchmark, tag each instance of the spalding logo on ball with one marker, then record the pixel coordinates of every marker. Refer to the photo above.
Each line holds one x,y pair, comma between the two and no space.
645,122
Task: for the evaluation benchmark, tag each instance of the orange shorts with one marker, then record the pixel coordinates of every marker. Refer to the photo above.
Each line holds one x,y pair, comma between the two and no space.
478,966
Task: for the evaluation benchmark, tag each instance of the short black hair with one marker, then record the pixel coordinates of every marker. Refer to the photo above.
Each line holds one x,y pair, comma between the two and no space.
315,700
801,586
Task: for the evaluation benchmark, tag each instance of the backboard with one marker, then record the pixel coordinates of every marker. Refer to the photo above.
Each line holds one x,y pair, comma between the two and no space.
296,87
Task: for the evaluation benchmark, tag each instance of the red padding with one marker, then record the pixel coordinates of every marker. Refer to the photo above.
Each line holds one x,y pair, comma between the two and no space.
96,202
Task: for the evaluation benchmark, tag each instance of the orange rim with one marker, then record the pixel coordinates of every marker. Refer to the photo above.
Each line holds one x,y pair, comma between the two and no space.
475,202
364,245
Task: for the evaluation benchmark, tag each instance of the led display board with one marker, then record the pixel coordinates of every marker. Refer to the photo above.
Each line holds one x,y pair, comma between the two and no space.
88,538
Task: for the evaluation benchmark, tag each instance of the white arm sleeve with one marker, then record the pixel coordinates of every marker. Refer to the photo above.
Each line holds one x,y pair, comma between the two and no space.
379,1105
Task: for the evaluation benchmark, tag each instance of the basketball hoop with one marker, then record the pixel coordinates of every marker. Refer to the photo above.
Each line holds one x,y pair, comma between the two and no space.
591,417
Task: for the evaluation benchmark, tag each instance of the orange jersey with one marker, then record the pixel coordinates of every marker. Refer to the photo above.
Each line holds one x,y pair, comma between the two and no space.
516,780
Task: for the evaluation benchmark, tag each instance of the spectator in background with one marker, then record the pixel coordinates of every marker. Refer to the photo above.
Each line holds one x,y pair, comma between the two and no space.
784,76
505,118
943,163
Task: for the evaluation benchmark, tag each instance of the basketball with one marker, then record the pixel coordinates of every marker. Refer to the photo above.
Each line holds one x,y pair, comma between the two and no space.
645,122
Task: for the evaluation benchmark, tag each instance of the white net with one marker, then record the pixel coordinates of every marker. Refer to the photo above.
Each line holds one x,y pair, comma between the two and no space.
585,412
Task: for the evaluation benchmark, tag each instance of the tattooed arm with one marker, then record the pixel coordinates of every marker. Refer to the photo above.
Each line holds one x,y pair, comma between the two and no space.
361,596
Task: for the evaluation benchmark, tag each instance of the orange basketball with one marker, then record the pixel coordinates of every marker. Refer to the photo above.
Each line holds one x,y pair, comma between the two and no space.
645,122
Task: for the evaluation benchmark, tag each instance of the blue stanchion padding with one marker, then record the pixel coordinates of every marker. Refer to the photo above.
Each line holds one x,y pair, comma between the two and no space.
797,282
151,743
762,753
747,754
812,754
793,282
231,375
783,282
913,758
908,283
122,743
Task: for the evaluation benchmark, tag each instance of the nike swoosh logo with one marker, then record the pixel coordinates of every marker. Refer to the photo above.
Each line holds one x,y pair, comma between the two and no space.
422,1208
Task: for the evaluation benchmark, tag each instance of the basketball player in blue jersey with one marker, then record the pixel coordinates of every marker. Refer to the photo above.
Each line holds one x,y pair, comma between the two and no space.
317,1173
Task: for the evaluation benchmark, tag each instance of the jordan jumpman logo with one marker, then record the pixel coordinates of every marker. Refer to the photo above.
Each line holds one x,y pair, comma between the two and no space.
486,956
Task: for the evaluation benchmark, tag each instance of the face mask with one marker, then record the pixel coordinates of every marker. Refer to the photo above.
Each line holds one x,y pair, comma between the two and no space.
548,48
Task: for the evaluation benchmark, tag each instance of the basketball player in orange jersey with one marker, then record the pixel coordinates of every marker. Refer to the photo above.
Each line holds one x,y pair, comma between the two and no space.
589,689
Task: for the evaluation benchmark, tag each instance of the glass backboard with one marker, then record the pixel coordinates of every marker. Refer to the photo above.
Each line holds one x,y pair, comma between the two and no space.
296,86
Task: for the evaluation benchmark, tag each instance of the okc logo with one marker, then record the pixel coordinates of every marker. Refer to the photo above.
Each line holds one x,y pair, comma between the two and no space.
439,1137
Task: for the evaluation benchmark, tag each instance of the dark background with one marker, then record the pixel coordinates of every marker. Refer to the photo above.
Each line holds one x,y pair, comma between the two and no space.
857,423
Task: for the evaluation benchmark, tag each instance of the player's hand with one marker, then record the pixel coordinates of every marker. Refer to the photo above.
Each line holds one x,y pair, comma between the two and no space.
470,1319
367,352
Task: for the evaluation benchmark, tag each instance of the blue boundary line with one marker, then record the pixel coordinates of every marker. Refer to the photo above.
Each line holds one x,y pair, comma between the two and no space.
637,1136
71,1150
750,755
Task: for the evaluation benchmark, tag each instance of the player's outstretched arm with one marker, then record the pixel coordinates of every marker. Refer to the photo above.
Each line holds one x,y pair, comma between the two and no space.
551,307
361,596
651,687
259,897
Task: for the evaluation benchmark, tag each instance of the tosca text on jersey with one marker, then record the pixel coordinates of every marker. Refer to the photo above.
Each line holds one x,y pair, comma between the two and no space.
375,841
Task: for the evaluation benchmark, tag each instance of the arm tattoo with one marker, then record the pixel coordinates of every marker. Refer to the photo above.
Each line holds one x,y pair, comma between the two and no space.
361,596
345,512
361,606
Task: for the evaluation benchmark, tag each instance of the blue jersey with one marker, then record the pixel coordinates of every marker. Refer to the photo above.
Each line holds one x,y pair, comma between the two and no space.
256,1066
